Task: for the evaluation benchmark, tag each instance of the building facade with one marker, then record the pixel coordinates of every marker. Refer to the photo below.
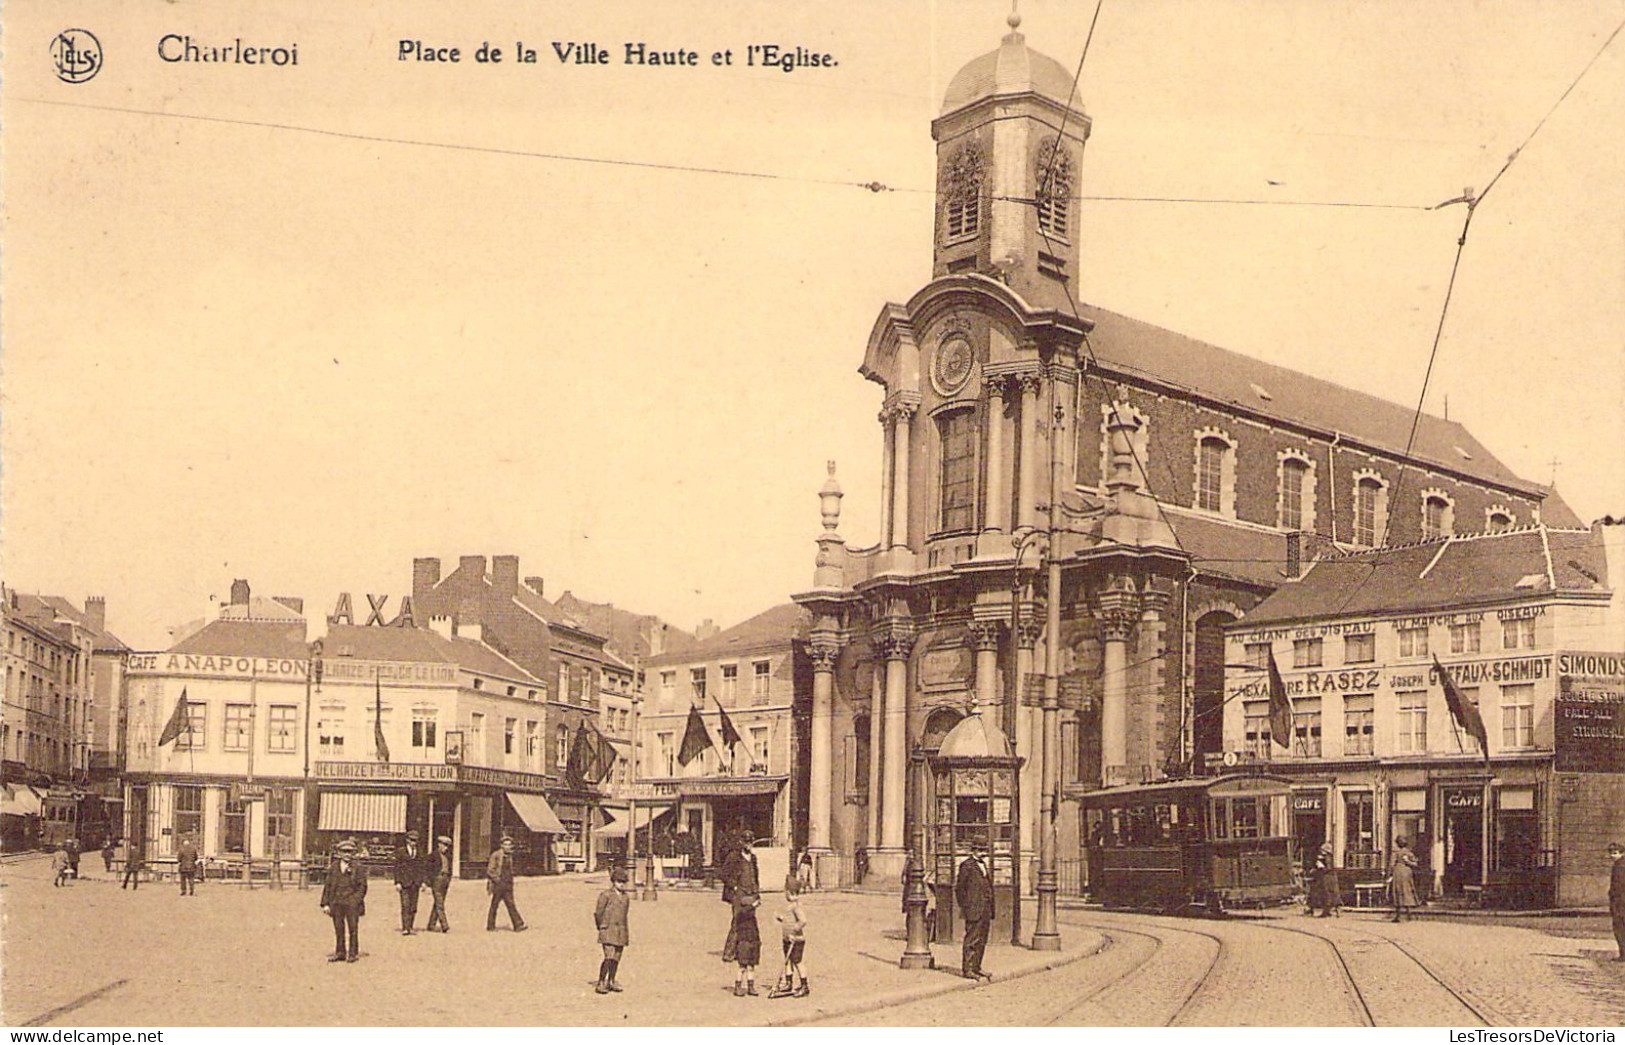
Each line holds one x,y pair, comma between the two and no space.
756,673
1163,474
1530,626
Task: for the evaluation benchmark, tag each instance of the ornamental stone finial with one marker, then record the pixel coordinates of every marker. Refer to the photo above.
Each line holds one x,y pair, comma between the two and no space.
829,500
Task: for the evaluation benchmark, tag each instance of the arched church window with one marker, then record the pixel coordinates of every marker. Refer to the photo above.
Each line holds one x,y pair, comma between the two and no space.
1210,473
1368,509
1294,479
962,192
1053,188
1436,517
956,433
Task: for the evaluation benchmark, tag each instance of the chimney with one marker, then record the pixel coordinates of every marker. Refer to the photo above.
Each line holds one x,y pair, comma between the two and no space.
239,593
472,564
297,605
534,584
1294,555
96,613
440,625
505,574
425,575
707,629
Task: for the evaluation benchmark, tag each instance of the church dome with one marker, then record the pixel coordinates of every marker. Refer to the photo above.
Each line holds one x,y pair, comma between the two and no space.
1014,68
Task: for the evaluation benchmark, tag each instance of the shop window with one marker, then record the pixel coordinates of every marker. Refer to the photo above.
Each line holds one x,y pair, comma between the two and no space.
279,820
696,686
283,729
1308,653
1359,719
1518,634
1306,728
730,684
1359,649
1256,728
1411,724
956,433
238,726
1413,642
1360,829
1410,822
1517,830
1466,638
1518,716
188,811
234,825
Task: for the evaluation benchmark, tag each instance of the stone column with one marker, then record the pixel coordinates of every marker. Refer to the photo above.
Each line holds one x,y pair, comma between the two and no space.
998,500
888,450
904,413
1027,724
877,721
824,651
1116,625
984,635
898,643
1027,480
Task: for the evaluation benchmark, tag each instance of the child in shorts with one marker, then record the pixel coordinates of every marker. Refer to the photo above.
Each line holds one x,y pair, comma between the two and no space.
794,925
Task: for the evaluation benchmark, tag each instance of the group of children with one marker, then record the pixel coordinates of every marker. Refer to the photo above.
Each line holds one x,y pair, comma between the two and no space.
610,916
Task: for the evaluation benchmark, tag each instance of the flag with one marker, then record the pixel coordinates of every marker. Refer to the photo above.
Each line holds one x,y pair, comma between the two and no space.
591,756
696,739
730,735
379,744
1464,711
577,766
1280,707
178,721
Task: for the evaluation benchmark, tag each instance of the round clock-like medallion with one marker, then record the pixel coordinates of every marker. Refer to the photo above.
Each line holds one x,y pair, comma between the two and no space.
952,366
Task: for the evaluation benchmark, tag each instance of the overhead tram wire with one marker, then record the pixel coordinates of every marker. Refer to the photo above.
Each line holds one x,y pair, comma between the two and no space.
873,186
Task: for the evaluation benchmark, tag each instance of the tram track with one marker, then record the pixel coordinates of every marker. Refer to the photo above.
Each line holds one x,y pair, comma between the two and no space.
1112,933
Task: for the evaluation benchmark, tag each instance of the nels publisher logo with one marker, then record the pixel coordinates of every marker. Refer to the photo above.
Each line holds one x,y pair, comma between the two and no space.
77,55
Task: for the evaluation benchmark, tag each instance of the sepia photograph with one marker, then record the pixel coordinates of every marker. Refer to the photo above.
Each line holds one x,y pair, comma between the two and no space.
1028,513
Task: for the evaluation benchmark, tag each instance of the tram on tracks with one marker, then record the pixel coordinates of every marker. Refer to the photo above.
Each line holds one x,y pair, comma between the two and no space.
1212,842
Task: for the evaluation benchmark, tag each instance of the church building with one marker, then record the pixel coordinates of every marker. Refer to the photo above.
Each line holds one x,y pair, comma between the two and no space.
1174,481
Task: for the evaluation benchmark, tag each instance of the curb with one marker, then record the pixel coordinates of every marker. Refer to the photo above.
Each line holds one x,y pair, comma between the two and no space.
921,993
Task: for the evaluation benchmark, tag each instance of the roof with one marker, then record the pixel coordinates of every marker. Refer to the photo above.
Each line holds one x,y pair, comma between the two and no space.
1441,574
238,638
1014,68
49,607
628,632
553,615
419,645
1224,549
1554,511
782,624
1135,348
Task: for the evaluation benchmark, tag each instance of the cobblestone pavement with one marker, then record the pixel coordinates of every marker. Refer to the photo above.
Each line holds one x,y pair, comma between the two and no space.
96,955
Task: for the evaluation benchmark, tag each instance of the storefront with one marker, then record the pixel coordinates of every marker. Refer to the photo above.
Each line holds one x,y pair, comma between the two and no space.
1309,822
726,808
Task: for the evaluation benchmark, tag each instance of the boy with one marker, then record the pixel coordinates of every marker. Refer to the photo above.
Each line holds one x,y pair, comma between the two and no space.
59,866
795,945
611,918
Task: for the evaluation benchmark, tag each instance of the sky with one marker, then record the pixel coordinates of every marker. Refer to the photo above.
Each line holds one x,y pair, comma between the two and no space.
302,324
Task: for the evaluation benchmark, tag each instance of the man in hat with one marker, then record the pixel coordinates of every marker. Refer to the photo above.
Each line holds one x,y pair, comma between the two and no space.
439,883
611,918
186,863
1616,896
499,883
975,895
344,899
409,875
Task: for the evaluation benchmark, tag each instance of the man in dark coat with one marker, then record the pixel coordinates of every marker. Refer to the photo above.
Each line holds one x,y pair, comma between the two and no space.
611,917
1616,896
499,883
439,884
975,895
133,864
186,864
344,899
410,872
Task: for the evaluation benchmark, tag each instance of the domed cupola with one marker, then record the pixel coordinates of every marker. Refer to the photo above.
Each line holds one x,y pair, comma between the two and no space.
1009,147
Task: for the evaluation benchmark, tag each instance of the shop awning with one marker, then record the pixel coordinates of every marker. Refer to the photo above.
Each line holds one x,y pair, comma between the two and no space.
614,826
19,801
536,813
369,812
731,788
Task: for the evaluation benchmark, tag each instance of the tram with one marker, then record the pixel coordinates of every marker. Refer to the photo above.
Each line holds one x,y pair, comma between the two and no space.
1215,842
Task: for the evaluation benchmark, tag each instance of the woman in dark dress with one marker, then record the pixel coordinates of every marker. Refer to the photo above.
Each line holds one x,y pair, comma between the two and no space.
1402,879
747,937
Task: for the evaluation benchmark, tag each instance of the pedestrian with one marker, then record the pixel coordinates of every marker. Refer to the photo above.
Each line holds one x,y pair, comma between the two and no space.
740,874
410,872
1402,879
186,864
132,865
610,915
59,866
72,848
1333,881
1319,906
439,883
1616,896
975,896
109,851
747,937
344,899
793,925
499,883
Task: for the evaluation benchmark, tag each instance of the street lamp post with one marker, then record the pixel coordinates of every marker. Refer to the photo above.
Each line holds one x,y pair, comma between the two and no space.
1046,929
917,954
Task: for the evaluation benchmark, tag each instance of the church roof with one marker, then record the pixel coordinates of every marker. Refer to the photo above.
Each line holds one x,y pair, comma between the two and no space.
1014,68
